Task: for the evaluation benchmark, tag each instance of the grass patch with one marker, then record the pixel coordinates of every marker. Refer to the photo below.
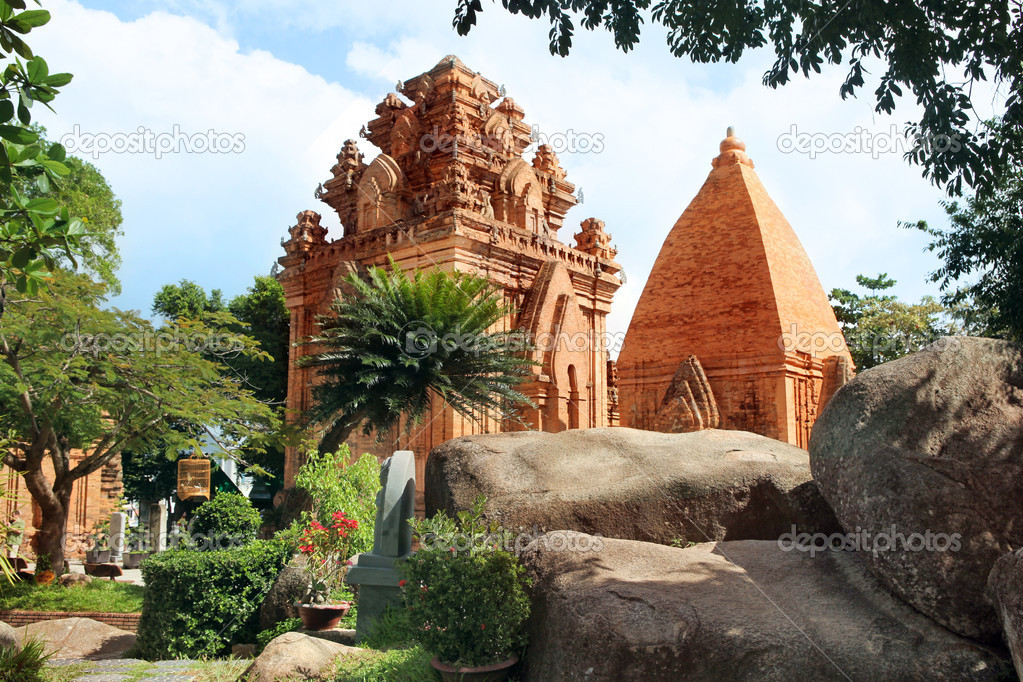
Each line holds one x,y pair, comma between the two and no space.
204,671
99,595
394,665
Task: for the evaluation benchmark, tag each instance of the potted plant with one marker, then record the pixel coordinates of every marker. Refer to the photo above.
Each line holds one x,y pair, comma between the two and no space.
44,570
326,550
100,552
136,547
465,595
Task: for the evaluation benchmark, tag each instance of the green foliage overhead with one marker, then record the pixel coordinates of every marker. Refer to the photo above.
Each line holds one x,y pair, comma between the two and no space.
229,518
200,603
982,254
933,52
465,594
335,481
397,341
35,233
88,196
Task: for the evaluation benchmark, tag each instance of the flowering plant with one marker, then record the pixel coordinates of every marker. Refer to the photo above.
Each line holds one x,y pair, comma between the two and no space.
326,549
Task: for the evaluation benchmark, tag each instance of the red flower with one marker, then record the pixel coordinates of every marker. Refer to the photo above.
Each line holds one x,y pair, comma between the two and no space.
402,583
483,627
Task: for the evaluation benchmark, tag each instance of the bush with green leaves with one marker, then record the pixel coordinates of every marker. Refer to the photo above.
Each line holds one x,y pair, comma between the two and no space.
26,664
200,603
465,594
228,520
335,481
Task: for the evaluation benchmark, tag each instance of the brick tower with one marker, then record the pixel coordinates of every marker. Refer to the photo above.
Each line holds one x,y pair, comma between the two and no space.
733,328
450,188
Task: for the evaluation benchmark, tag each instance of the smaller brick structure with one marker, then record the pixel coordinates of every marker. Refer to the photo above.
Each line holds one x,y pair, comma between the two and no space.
124,621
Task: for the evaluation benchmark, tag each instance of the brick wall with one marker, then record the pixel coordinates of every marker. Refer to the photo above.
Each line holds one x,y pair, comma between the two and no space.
124,621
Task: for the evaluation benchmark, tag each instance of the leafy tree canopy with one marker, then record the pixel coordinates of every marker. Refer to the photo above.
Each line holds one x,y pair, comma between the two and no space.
879,327
73,375
35,232
982,253
933,52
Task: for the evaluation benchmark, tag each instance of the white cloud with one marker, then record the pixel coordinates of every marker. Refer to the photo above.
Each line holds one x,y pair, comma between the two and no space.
218,219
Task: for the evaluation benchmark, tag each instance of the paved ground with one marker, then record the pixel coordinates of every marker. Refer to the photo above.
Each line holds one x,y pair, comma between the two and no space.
133,575
120,669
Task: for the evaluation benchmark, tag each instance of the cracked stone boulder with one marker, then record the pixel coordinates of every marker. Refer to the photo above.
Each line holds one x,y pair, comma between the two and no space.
296,656
79,638
620,610
1005,585
632,484
279,603
923,457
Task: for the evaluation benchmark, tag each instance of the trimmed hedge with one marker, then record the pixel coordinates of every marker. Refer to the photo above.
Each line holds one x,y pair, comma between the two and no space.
199,603
228,520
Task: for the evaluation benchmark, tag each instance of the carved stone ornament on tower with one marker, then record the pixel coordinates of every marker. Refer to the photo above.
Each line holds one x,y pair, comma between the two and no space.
451,182
594,240
546,161
306,234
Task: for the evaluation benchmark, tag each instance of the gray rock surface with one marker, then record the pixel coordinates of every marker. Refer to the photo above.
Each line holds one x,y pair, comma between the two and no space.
294,655
729,611
9,637
1005,586
79,638
632,484
931,445
279,603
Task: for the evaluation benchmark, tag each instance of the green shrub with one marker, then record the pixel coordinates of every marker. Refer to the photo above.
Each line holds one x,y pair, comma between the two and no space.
199,603
26,665
336,483
466,595
266,636
228,520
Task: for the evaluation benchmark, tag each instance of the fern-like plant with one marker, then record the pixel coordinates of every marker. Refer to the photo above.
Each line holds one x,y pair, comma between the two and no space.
397,339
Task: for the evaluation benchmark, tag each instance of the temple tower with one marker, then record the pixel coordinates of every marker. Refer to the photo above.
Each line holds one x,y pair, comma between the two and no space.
732,302
450,188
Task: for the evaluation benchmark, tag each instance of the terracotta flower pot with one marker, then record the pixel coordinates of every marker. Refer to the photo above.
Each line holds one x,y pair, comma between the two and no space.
495,672
322,616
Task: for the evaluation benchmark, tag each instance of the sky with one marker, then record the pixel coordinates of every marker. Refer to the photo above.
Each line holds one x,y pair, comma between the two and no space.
278,85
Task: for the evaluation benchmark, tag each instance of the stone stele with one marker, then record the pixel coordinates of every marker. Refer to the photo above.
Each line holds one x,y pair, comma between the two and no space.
374,572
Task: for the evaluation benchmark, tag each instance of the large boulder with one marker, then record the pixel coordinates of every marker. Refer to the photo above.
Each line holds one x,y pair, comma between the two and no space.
79,638
1005,585
632,484
279,602
296,656
747,610
9,637
923,459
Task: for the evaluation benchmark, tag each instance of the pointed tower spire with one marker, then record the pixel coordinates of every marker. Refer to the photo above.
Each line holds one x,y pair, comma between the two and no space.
733,286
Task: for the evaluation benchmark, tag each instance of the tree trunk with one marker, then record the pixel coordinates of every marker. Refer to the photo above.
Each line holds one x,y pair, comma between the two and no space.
54,503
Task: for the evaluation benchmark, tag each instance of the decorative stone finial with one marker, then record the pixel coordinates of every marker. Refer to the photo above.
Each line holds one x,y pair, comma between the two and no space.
733,151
